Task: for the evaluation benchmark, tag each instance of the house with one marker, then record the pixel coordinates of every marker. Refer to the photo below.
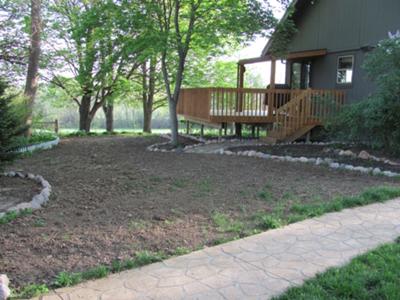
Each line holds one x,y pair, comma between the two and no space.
324,59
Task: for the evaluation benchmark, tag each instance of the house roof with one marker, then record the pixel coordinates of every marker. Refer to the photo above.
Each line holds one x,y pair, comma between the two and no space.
299,6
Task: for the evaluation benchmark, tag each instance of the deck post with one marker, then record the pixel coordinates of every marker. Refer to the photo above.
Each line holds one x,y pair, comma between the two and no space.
238,129
187,127
273,73
202,131
253,131
258,132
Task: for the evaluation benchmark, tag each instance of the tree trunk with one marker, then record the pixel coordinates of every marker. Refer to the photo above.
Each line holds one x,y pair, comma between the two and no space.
147,116
108,109
84,114
32,76
148,87
173,119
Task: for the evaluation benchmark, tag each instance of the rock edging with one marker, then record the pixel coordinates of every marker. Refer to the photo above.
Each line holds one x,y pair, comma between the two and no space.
37,200
201,142
317,161
41,146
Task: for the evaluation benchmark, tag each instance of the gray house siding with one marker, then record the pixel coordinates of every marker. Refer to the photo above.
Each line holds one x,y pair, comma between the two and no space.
344,27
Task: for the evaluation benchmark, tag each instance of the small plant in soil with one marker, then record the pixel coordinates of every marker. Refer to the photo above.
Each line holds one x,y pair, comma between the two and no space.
29,291
226,224
181,251
12,215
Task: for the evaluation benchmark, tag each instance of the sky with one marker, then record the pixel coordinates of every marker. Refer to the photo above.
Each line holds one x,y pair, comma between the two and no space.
255,48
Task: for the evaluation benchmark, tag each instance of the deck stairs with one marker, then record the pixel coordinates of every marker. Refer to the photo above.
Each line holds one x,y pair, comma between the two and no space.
294,120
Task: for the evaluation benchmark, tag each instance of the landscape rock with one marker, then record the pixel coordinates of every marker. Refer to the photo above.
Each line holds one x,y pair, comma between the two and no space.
346,153
4,289
376,171
364,155
303,159
334,165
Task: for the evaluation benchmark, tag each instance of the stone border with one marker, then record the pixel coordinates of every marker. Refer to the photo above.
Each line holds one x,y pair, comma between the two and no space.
37,200
317,161
41,146
202,142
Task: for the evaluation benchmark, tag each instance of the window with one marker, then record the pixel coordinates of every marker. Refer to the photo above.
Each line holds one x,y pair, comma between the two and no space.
345,69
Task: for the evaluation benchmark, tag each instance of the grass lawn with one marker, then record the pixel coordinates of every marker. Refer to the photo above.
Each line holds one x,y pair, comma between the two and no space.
116,206
375,275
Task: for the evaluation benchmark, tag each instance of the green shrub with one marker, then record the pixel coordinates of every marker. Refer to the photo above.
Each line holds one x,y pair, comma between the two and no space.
11,123
375,120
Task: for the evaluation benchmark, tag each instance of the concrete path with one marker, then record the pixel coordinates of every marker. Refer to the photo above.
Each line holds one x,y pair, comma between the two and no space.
257,267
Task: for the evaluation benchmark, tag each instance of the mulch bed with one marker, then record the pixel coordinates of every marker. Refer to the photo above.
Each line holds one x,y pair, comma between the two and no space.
326,151
112,198
15,190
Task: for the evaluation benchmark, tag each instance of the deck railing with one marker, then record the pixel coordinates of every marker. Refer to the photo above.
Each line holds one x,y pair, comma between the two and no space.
308,108
256,105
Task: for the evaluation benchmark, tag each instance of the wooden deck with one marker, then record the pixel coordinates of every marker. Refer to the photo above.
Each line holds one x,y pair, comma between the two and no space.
290,111
232,105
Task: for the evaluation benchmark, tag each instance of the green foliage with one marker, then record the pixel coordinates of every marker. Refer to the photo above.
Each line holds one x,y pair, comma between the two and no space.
226,224
30,291
12,215
146,257
268,222
37,137
181,251
11,123
64,279
375,120
283,34
374,275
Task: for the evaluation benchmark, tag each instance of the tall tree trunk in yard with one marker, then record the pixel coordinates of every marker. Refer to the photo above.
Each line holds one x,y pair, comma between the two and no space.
108,109
32,76
84,112
148,86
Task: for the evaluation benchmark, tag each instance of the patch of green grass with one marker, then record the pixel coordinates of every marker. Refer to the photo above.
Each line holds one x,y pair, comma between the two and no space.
36,138
266,221
374,275
12,215
265,194
137,225
226,224
204,186
371,195
29,291
64,279
99,133
179,183
95,273
143,258
181,251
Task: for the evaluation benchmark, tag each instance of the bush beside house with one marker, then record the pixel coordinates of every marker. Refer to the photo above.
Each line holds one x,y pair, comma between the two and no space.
376,120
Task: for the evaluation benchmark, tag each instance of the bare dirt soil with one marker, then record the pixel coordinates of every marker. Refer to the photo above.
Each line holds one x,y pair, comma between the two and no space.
112,198
15,190
327,151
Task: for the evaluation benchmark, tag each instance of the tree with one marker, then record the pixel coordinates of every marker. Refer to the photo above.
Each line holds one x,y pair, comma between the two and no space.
208,24
103,41
152,97
32,76
11,124
14,38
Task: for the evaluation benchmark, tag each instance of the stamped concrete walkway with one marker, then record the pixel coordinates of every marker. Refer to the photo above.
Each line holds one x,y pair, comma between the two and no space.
257,267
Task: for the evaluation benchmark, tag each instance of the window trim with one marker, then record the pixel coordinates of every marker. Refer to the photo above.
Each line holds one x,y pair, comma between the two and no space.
352,69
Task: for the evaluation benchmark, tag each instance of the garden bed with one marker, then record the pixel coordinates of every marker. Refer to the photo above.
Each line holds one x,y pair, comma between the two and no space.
113,200
14,190
336,152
